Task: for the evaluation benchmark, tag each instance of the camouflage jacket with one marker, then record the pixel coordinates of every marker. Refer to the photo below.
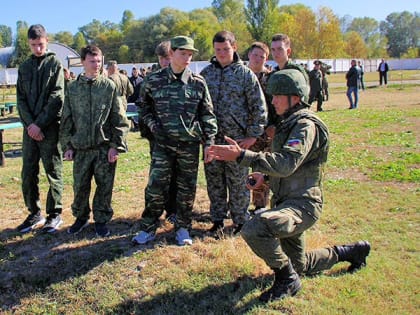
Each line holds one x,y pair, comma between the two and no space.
177,109
93,115
299,152
238,100
124,87
315,79
40,90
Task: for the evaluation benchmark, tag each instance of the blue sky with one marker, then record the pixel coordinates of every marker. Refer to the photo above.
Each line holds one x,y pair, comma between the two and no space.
58,15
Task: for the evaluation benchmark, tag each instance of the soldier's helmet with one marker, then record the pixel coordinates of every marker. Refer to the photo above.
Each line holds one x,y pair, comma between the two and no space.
288,82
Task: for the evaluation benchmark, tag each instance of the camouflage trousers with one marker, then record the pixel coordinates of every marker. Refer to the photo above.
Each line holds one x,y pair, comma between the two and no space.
49,152
226,187
278,234
179,159
94,164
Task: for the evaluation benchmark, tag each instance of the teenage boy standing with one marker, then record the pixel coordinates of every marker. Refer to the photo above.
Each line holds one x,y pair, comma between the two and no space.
92,134
40,96
176,106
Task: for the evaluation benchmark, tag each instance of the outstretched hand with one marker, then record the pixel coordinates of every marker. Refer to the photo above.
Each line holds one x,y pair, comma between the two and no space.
223,152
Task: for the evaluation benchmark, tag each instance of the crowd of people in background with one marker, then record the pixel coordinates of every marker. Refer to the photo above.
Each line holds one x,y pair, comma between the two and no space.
244,116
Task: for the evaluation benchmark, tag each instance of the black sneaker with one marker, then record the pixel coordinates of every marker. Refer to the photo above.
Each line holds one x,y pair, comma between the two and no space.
237,229
52,224
32,221
78,226
217,227
101,230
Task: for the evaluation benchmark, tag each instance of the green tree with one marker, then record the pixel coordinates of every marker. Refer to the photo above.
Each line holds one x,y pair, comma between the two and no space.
95,29
79,42
65,38
330,42
366,27
303,35
231,16
354,45
22,50
127,21
123,54
403,32
5,36
262,18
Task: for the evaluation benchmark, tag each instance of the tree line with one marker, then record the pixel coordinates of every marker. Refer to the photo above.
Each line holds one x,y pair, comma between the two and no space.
315,34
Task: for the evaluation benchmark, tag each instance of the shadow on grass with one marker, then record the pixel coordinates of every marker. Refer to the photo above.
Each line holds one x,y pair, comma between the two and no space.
226,298
31,262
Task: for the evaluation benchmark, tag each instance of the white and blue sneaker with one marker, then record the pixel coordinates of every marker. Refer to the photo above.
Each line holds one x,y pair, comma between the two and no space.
143,238
183,237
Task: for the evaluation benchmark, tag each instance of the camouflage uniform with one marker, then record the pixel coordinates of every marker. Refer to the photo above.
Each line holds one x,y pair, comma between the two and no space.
93,122
179,112
260,197
241,112
40,97
295,169
315,80
124,87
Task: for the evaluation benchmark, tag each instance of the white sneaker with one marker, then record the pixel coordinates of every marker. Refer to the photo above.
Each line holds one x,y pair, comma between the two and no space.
143,238
183,237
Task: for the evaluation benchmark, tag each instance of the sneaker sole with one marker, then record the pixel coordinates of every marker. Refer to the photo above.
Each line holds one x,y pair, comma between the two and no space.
80,230
136,242
52,229
30,228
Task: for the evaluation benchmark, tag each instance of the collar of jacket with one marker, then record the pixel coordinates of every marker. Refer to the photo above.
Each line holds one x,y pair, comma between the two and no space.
294,109
236,60
186,74
84,79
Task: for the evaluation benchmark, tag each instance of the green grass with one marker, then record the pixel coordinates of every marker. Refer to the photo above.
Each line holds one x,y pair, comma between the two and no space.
371,192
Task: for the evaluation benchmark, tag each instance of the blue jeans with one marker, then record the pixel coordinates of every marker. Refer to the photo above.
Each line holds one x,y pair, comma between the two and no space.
355,91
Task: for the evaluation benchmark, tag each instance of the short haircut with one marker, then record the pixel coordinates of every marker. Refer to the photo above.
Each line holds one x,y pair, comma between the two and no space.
163,48
224,36
281,37
36,31
90,50
260,45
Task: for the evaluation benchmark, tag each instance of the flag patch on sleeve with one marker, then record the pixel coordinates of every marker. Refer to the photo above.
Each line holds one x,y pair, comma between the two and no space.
294,143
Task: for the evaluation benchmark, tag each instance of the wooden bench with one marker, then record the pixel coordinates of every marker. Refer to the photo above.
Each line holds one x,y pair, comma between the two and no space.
6,126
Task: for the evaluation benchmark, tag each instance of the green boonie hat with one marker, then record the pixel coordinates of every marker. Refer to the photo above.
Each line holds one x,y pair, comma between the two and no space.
182,42
288,82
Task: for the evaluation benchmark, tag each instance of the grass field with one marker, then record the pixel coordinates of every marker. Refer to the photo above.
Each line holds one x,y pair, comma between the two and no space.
371,192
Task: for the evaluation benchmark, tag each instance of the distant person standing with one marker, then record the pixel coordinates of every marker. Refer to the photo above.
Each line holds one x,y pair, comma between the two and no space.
40,96
362,72
383,72
352,77
136,79
124,87
315,82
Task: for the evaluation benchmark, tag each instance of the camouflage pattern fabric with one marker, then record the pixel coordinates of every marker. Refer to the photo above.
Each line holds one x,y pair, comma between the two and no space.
315,80
93,121
87,164
241,112
179,112
185,157
49,151
40,97
295,169
124,87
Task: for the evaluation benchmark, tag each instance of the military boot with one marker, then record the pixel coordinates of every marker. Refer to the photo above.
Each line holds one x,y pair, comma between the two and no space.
286,283
355,254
